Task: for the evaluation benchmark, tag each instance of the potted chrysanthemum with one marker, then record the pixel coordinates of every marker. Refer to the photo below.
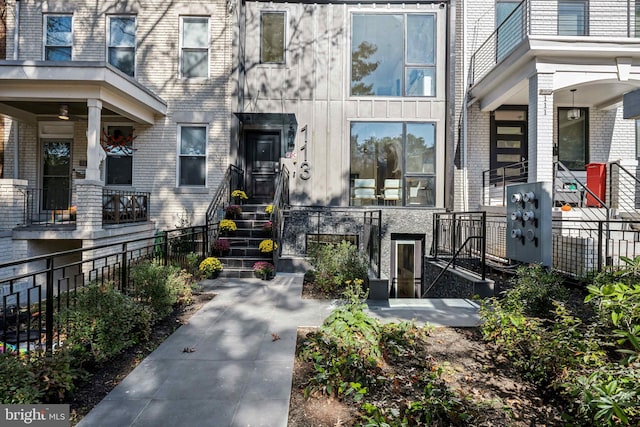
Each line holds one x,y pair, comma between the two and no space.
239,196
227,226
267,246
232,211
221,247
210,267
263,270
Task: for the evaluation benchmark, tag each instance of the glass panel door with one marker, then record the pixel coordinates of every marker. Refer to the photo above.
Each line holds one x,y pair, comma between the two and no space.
406,268
56,173
508,144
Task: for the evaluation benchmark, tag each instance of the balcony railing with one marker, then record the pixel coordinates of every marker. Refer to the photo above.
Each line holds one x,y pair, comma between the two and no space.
610,18
120,207
494,182
46,207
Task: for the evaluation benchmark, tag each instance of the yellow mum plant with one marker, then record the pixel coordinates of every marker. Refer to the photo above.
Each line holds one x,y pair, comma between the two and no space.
267,245
227,225
239,194
268,209
210,265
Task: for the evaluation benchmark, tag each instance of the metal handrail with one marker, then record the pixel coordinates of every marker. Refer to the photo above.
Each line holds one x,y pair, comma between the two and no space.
215,210
503,178
558,165
280,203
446,268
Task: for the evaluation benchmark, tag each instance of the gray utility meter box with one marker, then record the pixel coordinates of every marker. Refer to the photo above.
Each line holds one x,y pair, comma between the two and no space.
529,223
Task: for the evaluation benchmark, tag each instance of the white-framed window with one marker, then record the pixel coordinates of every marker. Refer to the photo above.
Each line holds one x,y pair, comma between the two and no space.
192,155
58,37
194,47
121,46
272,37
119,149
393,54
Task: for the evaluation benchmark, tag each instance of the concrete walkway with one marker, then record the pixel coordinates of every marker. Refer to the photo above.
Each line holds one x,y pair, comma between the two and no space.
237,374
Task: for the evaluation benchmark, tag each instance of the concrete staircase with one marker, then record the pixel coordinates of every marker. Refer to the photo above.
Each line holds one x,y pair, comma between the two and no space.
244,242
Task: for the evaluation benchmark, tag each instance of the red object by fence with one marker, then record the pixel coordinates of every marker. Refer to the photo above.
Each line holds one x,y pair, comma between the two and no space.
596,182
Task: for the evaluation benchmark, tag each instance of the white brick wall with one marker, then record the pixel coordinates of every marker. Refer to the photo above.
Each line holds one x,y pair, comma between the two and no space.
157,56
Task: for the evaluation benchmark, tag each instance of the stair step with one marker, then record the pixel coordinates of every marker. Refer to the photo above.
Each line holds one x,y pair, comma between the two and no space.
244,242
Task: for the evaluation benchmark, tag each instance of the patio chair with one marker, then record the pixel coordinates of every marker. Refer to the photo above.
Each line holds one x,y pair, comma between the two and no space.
364,190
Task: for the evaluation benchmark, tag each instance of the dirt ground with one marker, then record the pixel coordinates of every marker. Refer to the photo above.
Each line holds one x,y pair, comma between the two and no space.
470,367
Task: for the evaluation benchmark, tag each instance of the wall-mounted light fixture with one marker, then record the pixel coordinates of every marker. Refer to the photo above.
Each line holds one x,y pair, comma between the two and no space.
291,138
573,113
63,112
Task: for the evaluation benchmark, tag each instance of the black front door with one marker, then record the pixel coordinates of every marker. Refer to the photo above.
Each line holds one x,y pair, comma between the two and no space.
263,155
508,144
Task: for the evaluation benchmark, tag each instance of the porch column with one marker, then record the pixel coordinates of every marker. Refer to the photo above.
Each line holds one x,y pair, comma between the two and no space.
89,190
95,153
540,124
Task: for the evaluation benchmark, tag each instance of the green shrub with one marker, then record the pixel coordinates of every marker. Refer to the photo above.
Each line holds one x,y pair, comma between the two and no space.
335,264
160,287
346,351
608,396
18,383
36,378
535,290
192,262
55,375
103,323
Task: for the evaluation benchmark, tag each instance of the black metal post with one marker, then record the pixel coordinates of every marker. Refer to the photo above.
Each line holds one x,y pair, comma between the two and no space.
484,245
165,249
600,236
124,271
49,310
435,232
454,237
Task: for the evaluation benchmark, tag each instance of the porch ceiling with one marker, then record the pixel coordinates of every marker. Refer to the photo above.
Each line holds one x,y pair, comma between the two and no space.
32,89
601,71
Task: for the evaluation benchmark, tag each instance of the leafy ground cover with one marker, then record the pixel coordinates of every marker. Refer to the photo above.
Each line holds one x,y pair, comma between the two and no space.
545,355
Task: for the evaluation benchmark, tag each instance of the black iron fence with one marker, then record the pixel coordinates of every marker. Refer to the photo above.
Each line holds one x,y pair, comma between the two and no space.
460,240
35,292
580,248
311,225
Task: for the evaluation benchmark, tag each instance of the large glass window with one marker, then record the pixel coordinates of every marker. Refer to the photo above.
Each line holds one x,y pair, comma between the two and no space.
572,17
272,31
194,52
119,149
393,163
58,37
192,156
573,143
122,43
393,55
